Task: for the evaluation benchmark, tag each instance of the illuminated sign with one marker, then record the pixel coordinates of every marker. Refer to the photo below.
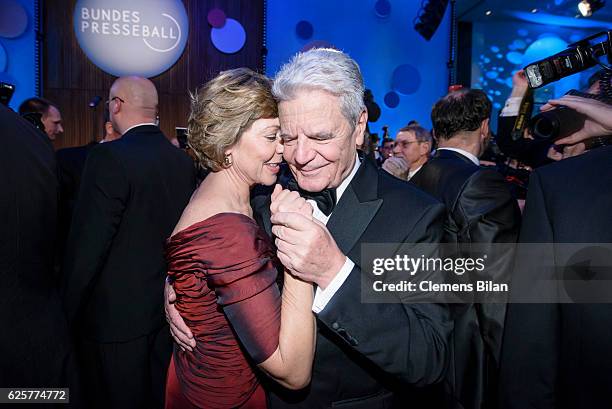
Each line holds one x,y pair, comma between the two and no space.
135,37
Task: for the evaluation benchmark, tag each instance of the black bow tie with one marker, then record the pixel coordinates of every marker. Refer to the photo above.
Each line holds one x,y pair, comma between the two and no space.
325,199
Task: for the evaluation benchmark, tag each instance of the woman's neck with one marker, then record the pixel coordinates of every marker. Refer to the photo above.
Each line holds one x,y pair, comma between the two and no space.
229,189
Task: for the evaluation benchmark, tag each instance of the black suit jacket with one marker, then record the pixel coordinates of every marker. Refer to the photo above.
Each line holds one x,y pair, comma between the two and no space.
560,355
70,165
480,210
35,344
132,194
368,355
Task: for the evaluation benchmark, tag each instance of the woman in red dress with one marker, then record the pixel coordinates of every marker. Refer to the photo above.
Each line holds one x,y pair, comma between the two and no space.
224,267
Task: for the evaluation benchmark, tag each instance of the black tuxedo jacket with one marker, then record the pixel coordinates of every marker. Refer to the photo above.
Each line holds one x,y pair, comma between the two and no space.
560,355
35,344
480,209
368,355
132,194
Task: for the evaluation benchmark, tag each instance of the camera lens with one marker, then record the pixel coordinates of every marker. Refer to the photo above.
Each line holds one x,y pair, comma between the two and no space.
556,124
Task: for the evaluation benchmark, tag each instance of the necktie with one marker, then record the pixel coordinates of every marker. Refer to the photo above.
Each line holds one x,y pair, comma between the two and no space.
325,199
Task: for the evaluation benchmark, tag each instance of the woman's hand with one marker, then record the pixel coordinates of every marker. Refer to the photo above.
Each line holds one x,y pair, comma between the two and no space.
285,200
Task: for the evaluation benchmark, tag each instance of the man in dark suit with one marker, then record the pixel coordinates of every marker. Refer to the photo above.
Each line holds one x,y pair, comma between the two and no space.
70,165
559,355
368,354
35,345
50,115
482,211
132,194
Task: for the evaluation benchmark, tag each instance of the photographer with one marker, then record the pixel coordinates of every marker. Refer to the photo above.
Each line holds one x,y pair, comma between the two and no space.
527,150
560,355
597,128
537,152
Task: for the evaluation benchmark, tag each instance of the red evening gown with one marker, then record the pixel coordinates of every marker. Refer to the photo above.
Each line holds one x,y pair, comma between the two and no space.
224,272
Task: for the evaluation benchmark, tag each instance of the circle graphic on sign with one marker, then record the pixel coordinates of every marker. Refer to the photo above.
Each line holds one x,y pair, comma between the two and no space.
13,19
139,37
230,38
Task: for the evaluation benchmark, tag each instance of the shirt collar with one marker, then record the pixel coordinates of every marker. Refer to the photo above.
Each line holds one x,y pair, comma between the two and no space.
467,154
340,189
411,173
142,124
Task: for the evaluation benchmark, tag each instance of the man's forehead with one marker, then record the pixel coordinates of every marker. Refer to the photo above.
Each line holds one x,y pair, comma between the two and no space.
53,113
404,135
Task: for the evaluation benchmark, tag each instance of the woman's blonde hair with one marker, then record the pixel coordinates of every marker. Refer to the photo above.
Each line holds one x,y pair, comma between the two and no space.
225,107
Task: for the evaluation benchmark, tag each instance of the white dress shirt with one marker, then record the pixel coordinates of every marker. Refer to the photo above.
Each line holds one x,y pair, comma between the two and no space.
467,154
411,173
322,297
134,126
511,107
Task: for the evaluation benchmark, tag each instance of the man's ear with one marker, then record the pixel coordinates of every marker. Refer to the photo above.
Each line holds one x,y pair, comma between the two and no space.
361,126
116,108
484,128
425,148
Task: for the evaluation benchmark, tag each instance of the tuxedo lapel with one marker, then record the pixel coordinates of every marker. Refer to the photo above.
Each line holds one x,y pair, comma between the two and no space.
356,208
261,212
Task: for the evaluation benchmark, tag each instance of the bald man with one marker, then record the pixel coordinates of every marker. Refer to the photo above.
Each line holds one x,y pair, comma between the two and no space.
132,193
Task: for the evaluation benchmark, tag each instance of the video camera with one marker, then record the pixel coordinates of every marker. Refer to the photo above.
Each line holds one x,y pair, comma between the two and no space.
563,121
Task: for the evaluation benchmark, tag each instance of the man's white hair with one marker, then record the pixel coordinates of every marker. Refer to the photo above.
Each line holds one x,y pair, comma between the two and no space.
323,69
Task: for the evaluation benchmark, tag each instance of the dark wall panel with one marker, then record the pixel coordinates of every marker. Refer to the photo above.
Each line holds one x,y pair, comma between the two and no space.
71,80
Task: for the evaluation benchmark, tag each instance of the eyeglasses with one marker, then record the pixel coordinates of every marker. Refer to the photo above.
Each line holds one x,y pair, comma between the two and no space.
405,144
114,98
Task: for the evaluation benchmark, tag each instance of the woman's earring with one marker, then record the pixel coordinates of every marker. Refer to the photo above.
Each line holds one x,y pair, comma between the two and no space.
227,160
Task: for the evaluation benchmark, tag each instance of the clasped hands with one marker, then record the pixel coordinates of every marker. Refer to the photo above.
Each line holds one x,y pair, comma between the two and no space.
304,246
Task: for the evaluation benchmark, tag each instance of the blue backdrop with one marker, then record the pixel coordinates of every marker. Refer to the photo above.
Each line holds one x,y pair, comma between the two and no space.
395,60
17,49
501,48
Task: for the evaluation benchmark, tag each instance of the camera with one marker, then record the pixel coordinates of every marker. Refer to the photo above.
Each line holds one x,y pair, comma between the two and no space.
578,57
563,121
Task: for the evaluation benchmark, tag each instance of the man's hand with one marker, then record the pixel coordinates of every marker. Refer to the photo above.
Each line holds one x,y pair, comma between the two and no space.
567,152
180,331
306,248
397,166
520,85
597,123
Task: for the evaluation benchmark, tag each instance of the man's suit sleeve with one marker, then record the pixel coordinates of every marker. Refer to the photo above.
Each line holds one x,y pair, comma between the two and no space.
532,333
407,341
490,215
98,212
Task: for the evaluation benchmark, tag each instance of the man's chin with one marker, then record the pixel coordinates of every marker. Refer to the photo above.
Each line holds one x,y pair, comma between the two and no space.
311,184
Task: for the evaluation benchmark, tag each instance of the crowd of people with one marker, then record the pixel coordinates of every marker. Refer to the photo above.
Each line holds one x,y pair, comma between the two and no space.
137,283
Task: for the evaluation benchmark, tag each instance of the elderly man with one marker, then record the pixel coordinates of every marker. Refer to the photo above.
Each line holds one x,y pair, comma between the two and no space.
133,191
411,151
51,117
368,354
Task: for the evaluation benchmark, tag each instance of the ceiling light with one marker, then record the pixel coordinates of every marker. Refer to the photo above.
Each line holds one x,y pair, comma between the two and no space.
588,7
488,12
534,10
